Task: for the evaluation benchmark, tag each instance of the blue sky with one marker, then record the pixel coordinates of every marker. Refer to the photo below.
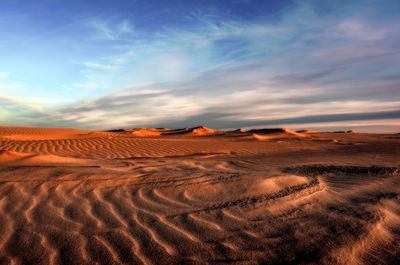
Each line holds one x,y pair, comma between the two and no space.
225,64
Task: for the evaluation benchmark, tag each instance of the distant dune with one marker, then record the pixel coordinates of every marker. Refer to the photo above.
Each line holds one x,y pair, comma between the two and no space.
147,132
198,196
306,131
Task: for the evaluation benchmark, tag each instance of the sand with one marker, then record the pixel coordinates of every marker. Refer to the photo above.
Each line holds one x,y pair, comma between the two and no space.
198,196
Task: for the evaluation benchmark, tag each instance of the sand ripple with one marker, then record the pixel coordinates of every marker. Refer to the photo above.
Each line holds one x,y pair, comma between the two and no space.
91,199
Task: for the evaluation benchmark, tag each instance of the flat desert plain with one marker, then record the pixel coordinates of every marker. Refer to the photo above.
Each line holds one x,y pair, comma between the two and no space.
198,196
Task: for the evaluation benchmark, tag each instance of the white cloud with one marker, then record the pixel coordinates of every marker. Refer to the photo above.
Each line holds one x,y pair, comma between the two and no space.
138,92
285,110
88,86
99,66
370,126
110,30
360,30
102,30
4,75
30,104
124,27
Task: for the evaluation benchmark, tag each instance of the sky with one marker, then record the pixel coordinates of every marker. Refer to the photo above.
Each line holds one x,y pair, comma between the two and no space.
323,65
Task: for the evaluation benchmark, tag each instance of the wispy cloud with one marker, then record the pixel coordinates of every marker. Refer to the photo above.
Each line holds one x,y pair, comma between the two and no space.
110,30
4,75
17,112
99,66
369,125
91,85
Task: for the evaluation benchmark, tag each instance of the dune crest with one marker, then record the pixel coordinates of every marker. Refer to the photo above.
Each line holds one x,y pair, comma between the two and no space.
7,156
202,131
276,131
305,131
267,134
142,132
10,156
147,132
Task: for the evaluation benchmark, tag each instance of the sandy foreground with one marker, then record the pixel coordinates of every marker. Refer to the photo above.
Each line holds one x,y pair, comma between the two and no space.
198,196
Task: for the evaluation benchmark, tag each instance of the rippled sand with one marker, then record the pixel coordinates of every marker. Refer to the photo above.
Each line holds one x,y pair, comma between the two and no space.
198,197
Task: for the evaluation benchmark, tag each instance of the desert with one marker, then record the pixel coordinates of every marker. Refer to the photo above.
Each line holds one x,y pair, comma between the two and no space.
198,196
150,132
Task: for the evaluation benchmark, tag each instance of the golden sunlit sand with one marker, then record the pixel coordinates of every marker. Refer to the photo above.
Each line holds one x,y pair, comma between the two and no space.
198,196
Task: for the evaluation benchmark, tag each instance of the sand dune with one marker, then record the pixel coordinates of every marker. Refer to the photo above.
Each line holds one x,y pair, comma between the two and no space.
275,133
145,132
148,132
265,134
305,131
12,157
162,196
201,131
28,133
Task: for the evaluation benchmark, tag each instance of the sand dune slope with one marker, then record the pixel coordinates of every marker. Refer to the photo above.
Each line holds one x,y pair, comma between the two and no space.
110,198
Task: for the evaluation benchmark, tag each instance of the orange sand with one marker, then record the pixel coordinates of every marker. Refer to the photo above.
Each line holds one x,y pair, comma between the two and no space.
198,196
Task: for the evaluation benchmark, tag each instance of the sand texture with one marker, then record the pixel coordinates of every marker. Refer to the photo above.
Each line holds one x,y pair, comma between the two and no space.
198,196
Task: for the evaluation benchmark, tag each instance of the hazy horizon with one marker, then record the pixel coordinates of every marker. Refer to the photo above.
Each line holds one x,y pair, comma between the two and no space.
318,65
